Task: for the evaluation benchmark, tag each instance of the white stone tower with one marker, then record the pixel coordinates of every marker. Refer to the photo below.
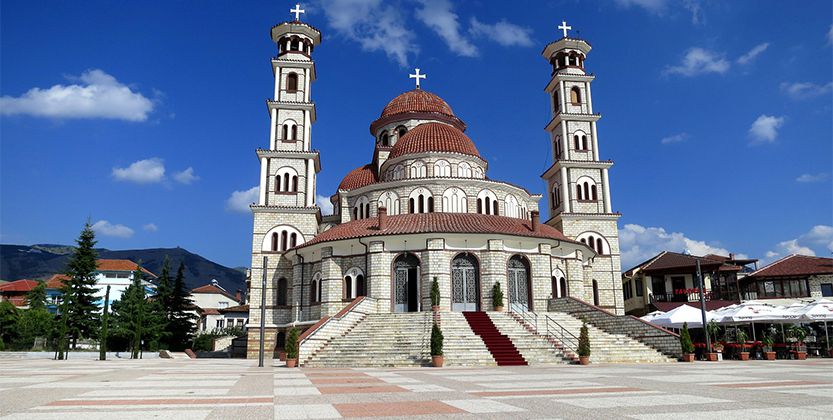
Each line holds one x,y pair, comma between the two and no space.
286,213
578,182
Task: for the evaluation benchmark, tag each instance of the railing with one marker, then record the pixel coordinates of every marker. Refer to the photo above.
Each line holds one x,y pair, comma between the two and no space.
683,295
545,326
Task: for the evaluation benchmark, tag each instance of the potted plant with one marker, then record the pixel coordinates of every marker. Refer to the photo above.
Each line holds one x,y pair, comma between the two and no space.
686,344
497,297
291,348
713,330
436,346
435,295
741,338
583,345
768,341
799,334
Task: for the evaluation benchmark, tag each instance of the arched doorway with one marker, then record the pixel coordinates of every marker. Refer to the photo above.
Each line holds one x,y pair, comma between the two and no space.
465,283
564,290
406,283
518,284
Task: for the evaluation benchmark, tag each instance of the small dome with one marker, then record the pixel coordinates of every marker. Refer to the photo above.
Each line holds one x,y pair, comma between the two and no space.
434,137
417,100
359,177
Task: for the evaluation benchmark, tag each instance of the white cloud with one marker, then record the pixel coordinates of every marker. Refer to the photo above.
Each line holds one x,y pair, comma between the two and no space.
186,177
653,6
805,90
142,172
325,204
753,53
700,61
638,243
439,16
675,138
821,176
373,25
818,239
99,95
150,227
239,200
765,129
696,10
504,33
105,228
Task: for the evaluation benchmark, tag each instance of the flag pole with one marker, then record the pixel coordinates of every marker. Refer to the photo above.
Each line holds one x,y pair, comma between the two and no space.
703,307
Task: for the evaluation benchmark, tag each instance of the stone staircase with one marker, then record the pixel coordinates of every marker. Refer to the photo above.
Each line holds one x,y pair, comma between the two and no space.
461,346
536,349
379,340
500,346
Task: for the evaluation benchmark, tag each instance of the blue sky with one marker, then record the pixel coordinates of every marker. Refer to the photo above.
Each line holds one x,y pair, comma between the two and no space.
144,116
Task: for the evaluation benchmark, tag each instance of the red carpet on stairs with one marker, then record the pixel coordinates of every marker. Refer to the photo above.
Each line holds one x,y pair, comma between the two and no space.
501,347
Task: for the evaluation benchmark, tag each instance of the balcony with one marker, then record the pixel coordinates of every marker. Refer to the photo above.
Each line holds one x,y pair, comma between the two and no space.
682,295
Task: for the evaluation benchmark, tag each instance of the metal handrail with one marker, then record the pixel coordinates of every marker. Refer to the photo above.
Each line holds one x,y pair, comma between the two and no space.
551,329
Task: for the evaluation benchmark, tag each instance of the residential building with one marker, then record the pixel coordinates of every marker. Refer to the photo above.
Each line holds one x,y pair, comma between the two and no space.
792,277
209,300
15,292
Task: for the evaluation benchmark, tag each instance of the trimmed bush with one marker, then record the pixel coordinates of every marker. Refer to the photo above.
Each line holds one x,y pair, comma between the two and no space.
584,341
291,346
435,293
497,295
685,340
436,340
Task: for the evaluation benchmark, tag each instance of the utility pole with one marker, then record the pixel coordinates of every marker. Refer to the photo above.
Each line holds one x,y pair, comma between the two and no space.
703,307
262,312
105,327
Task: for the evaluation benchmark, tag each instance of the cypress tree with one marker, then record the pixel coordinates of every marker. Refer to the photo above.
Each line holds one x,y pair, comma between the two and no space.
182,323
136,318
163,301
79,311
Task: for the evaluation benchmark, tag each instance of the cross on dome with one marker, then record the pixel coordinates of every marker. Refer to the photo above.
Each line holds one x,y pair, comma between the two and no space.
297,11
564,27
417,76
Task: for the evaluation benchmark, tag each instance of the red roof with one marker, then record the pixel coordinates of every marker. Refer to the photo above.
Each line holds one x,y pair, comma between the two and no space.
19,286
416,100
209,311
210,288
56,281
668,260
796,265
434,137
359,177
238,308
120,265
437,223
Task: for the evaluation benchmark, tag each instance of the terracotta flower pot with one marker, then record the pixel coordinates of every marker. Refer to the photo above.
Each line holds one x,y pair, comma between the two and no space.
437,361
801,355
499,308
290,363
689,357
744,355
770,355
584,360
712,357
282,356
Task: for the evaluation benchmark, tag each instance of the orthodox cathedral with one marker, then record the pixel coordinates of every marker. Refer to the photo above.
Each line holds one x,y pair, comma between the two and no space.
424,208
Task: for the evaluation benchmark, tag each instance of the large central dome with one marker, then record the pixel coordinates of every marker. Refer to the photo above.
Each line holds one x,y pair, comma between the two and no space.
417,100
434,137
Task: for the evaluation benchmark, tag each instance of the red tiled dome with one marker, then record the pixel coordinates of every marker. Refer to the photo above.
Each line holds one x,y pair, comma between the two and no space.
434,137
359,177
416,100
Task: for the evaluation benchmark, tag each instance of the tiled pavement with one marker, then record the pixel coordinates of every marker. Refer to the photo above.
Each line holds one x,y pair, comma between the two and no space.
231,389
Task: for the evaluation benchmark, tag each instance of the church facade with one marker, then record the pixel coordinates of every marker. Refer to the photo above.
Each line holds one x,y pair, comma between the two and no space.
423,208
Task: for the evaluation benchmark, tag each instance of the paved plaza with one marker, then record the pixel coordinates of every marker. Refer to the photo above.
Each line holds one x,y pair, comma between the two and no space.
230,389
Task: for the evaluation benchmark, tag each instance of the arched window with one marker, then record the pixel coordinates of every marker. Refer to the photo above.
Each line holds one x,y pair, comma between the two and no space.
286,180
494,208
401,131
477,172
556,196
455,201
360,286
586,190
595,293
596,242
575,95
600,246
464,170
511,207
361,208
294,135
284,240
564,290
398,172
486,202
417,170
421,201
315,288
296,44
281,292
442,168
280,238
390,201
353,286
580,140
384,139
593,193
576,142
584,145
274,246
292,82
285,132
558,146
293,239
579,195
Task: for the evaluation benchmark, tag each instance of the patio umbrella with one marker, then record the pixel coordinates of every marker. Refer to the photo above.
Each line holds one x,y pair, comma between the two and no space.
680,315
756,311
651,316
820,310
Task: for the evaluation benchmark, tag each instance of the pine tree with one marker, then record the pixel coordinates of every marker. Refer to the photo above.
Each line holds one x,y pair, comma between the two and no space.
37,297
79,311
163,300
136,318
182,323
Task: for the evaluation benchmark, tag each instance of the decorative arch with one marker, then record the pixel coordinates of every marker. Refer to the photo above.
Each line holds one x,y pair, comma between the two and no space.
555,196
596,242
315,288
455,201
353,284
586,189
580,140
280,238
464,170
401,131
519,283
417,169
559,283
390,200
421,201
361,208
398,172
405,290
575,95
465,282
289,130
442,168
286,180
487,202
477,172
511,207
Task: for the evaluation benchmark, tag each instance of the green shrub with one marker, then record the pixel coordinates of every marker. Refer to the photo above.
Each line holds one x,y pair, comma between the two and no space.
435,293
584,341
203,342
741,338
436,340
497,295
291,346
768,341
685,340
798,333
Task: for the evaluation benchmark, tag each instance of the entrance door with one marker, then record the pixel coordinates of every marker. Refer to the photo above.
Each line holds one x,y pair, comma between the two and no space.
406,284
518,285
678,288
464,284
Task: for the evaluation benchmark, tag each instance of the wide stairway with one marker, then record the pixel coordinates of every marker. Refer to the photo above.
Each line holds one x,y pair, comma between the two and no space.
535,349
383,340
503,351
461,347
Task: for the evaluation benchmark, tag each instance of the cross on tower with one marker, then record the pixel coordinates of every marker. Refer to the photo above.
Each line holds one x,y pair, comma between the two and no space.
564,27
297,10
417,76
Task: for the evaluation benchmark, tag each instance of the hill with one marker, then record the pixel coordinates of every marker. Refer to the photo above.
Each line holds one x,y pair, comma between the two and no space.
42,261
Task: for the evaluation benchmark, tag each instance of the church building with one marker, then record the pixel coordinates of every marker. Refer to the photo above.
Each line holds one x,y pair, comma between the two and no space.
423,206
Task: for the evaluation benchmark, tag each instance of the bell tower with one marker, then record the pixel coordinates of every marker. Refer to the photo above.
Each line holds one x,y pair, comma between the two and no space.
578,181
286,214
